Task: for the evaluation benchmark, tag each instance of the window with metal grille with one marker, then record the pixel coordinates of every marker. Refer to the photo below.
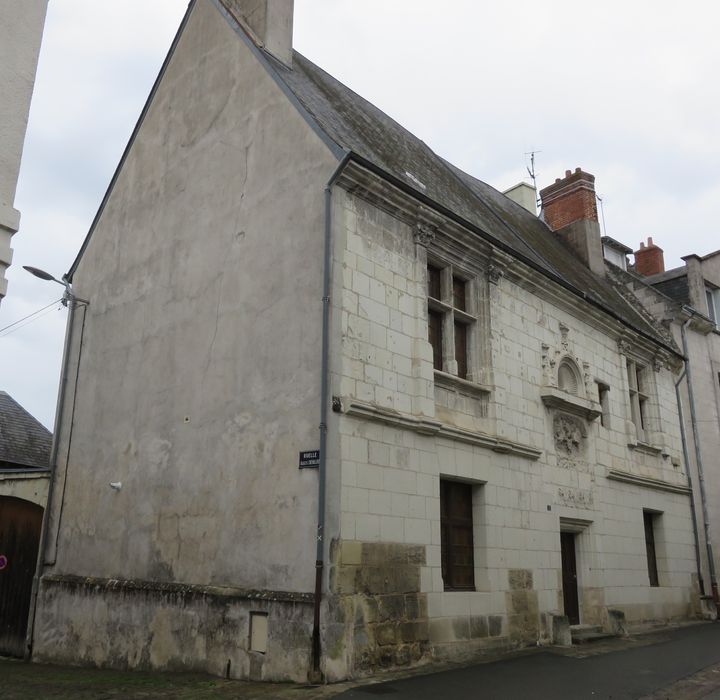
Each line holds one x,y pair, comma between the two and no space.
456,531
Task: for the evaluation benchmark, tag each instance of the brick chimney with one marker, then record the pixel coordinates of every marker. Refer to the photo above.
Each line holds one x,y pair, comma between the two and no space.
270,23
569,207
649,260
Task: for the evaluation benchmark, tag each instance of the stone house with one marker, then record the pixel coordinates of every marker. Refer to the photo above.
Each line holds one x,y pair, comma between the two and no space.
21,28
687,300
24,457
498,451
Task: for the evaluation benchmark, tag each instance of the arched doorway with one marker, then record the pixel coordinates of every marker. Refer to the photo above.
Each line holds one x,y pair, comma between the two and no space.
20,524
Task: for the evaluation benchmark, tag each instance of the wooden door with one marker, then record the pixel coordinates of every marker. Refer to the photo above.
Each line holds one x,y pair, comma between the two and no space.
456,532
569,577
20,524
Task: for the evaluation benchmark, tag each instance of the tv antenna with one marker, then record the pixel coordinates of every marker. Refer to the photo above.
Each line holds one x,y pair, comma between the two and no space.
532,173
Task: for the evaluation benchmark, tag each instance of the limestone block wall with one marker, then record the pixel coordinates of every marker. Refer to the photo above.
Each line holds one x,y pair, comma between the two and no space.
537,467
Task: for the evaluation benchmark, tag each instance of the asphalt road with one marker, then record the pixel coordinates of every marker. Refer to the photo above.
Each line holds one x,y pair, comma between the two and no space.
627,674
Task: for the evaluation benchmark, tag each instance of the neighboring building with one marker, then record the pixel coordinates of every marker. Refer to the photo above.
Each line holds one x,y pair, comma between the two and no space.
24,457
21,28
687,299
502,448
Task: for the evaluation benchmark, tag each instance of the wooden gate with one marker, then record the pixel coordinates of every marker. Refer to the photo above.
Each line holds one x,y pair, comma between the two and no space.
20,524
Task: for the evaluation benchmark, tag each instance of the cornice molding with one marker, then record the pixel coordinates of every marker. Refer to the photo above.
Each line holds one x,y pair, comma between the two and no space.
181,590
362,182
647,482
20,474
428,426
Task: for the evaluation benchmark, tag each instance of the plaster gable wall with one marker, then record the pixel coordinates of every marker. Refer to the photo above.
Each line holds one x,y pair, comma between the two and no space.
200,371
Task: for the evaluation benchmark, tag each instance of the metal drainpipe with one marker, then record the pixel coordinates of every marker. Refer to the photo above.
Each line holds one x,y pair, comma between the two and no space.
698,459
686,457
72,301
324,401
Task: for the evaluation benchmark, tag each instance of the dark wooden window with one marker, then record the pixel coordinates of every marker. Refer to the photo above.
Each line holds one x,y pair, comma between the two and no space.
434,289
649,520
435,337
461,349
456,531
459,293
638,398
450,325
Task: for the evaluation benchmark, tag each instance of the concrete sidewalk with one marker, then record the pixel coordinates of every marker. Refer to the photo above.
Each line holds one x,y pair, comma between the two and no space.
677,664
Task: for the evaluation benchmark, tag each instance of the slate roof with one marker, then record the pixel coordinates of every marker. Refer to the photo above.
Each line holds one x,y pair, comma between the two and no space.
350,124
24,441
353,124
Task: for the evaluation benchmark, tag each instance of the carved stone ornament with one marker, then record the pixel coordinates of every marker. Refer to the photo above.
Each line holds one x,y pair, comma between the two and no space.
548,365
564,330
623,346
576,498
659,362
568,434
424,235
495,274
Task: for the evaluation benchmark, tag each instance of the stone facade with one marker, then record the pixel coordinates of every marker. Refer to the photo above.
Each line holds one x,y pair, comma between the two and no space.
199,381
540,459
679,298
21,28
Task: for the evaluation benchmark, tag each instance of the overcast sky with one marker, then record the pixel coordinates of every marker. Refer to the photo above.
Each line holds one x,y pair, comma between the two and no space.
626,90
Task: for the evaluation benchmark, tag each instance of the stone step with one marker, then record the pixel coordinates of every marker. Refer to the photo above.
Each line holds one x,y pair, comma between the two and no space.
583,634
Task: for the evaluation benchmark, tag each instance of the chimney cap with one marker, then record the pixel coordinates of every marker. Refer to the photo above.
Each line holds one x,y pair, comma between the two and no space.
649,245
649,259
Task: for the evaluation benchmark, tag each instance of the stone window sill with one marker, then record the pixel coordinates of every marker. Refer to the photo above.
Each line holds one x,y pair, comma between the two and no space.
450,381
575,405
645,448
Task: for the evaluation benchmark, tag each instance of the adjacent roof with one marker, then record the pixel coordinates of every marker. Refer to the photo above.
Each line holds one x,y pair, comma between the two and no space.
355,125
24,441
